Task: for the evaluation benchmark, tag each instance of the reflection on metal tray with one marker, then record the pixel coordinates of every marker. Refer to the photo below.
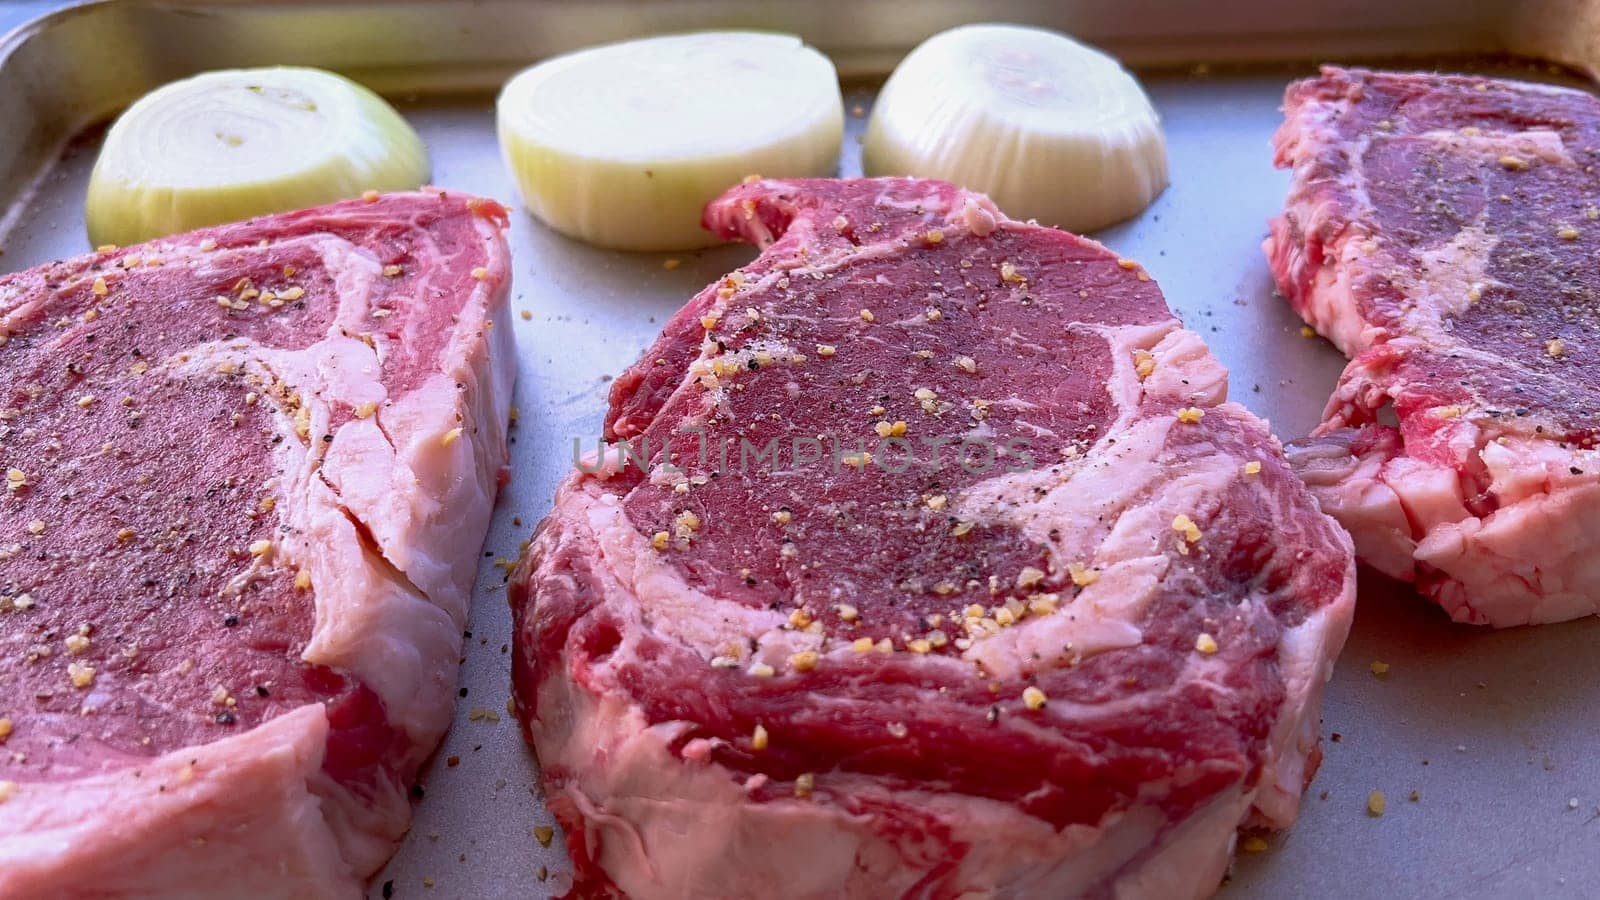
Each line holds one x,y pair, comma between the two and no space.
1492,731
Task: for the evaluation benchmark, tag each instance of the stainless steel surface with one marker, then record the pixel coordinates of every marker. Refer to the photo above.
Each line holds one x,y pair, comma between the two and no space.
1492,730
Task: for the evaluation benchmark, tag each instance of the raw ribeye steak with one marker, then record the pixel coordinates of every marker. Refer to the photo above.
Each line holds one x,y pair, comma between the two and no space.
248,473
1444,232
1068,653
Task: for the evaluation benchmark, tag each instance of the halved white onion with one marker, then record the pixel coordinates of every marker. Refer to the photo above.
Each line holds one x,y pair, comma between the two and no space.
227,145
1050,129
623,145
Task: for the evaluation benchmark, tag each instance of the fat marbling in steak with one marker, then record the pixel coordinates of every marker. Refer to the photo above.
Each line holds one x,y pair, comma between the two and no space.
248,473
1444,232
1068,655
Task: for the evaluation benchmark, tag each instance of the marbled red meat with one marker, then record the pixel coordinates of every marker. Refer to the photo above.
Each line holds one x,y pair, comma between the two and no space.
201,594
1443,232
825,678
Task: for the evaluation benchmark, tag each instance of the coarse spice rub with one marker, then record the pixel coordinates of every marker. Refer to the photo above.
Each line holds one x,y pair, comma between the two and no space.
248,470
1071,674
1442,231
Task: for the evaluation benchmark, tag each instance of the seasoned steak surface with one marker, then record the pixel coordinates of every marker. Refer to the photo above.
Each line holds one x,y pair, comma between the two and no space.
223,455
1086,632
1442,230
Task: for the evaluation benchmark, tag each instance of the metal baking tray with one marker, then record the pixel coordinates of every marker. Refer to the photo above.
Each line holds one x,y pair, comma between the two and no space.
1492,731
